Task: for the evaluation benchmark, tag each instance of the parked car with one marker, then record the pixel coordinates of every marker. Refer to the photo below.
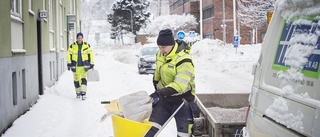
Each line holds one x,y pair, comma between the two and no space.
285,96
147,58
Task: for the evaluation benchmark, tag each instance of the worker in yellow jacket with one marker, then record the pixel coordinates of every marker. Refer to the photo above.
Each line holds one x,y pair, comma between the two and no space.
80,59
174,82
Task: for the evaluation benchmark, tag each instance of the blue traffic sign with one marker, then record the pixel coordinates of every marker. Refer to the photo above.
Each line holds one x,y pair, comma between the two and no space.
192,34
181,35
235,41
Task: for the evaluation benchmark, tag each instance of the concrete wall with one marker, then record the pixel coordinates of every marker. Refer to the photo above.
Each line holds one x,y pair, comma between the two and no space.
53,67
10,111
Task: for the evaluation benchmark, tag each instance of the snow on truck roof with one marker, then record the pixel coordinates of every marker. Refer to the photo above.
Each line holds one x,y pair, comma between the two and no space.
294,8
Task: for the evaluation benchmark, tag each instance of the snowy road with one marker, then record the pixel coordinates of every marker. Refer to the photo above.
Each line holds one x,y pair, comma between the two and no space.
59,114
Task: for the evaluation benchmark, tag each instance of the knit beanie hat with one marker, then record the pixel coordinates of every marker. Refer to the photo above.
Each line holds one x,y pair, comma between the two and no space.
79,34
165,38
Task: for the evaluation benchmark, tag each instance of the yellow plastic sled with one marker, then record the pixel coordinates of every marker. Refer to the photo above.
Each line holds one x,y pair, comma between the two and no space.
124,127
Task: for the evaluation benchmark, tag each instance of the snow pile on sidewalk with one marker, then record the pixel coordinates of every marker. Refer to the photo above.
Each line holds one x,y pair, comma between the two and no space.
225,58
223,69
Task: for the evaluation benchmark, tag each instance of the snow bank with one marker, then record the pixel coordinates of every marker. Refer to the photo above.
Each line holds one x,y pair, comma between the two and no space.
225,58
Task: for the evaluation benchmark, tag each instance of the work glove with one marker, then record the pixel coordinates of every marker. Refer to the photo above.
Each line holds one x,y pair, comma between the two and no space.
166,94
155,84
69,66
91,66
155,98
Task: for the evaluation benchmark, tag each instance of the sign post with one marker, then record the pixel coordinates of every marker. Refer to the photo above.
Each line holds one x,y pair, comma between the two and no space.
236,42
269,16
192,35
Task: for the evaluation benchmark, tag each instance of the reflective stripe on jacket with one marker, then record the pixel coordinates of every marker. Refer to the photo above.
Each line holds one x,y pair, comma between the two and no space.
175,70
86,55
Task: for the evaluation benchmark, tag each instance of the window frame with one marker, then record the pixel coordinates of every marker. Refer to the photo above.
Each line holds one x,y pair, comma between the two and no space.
16,8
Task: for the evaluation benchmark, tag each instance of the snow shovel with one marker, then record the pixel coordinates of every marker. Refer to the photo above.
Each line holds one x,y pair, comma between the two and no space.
93,75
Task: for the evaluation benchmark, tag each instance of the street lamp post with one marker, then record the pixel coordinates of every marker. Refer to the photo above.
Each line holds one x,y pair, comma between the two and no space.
201,29
224,23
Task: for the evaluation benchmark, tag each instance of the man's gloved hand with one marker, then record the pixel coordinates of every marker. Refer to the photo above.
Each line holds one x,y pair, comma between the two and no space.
69,66
155,98
91,66
155,84
166,94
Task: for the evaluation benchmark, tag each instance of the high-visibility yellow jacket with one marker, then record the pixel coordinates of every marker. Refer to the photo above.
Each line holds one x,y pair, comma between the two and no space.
175,70
86,53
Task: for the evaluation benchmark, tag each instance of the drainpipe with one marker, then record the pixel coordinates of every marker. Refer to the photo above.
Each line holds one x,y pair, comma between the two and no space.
201,30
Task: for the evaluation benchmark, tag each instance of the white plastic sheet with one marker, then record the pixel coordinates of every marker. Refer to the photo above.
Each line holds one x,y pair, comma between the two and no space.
93,75
136,106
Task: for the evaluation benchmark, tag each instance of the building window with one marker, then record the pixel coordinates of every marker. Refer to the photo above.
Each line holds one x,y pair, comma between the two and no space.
16,27
208,13
177,4
50,15
61,26
16,7
24,84
50,71
51,31
208,36
54,69
14,88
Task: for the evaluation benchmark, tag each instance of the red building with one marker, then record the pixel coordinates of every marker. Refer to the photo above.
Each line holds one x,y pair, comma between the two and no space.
212,17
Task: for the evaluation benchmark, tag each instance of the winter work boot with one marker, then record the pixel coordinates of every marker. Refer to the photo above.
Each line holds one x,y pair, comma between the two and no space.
78,92
78,95
83,95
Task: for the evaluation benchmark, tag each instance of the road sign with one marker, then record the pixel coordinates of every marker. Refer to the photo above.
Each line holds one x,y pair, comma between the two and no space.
43,14
192,34
71,18
235,41
181,35
71,26
269,16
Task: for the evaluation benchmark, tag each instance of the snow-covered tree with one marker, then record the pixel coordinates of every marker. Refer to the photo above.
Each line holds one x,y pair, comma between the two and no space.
253,13
159,8
120,19
93,10
174,22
